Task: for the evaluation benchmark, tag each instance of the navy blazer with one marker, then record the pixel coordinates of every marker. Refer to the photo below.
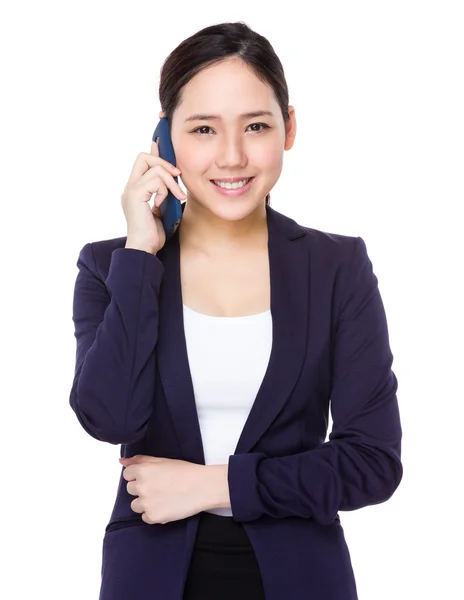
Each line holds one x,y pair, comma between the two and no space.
132,386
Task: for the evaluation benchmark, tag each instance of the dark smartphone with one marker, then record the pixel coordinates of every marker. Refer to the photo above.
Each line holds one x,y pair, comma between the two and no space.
170,208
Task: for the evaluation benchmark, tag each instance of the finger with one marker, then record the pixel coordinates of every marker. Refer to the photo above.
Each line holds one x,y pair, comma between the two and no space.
134,459
145,161
148,520
129,474
166,183
154,149
166,178
161,195
131,488
136,505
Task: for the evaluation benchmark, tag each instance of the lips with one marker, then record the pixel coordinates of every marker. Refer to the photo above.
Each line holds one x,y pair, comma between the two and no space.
233,191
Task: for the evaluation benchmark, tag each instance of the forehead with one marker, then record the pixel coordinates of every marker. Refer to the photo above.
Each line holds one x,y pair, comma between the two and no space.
229,86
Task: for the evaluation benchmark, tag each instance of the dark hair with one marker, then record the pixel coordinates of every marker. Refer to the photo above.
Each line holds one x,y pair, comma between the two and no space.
213,44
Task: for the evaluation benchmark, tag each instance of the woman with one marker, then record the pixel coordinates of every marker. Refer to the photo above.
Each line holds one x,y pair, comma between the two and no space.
213,357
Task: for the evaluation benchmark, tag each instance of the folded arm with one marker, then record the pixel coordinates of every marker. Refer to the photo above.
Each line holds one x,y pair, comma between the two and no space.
116,330
360,465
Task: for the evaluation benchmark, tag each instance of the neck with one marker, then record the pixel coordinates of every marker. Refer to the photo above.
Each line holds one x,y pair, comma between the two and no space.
202,230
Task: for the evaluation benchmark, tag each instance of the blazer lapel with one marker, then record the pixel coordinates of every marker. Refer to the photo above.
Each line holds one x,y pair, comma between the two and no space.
289,273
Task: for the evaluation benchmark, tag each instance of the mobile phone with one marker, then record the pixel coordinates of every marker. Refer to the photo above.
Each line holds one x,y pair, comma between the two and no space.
170,208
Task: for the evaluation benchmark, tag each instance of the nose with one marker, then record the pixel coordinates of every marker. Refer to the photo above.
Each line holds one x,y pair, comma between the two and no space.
231,152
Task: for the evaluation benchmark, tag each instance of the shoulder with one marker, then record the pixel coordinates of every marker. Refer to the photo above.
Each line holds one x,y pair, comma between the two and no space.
340,263
327,250
336,242
331,248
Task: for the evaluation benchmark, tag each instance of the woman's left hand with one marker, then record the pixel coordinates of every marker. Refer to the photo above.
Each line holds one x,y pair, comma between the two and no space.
167,489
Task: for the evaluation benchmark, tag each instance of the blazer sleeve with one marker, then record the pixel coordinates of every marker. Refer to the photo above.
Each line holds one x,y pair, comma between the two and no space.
116,329
360,465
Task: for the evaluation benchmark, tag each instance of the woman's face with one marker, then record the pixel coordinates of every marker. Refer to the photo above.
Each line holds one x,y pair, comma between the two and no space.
224,144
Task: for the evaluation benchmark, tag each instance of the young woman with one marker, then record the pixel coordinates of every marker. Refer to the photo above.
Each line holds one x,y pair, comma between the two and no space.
214,357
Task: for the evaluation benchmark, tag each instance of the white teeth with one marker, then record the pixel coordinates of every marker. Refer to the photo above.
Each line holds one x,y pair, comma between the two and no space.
232,186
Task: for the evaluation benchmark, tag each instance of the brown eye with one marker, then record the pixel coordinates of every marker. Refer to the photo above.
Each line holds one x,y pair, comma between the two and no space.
263,125
202,127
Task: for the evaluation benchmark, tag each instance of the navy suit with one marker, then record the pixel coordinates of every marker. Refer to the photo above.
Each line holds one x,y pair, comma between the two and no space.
132,386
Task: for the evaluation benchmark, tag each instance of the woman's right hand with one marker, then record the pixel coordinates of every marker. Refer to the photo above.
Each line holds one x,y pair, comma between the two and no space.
150,174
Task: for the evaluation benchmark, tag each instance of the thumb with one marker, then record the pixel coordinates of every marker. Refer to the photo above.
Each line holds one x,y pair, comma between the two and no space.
131,459
138,458
154,149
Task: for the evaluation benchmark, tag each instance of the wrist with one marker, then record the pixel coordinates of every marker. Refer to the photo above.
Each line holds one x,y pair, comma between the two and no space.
217,486
134,246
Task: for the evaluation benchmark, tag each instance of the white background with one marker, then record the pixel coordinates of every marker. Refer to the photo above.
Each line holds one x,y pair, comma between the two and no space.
378,92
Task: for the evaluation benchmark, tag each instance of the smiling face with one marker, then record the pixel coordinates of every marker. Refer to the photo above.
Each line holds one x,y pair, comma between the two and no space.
213,139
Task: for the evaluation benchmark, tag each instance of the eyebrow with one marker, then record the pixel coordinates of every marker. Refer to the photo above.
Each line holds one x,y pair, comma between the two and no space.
248,115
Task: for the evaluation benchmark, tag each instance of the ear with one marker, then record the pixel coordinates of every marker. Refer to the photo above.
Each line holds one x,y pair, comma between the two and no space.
290,129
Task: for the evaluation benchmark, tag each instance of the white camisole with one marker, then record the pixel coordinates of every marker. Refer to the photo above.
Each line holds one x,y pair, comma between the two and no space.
228,357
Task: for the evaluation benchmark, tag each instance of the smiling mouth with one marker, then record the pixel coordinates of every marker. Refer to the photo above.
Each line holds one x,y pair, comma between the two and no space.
231,185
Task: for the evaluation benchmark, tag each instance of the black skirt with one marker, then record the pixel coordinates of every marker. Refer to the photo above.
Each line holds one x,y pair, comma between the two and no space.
223,563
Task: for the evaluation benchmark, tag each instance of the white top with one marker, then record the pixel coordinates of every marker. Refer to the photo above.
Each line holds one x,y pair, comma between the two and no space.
228,357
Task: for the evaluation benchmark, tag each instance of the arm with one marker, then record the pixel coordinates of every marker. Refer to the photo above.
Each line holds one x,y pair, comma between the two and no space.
116,330
360,464
216,487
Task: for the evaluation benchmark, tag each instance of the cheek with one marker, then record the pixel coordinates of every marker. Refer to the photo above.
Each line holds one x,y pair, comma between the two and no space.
268,159
193,161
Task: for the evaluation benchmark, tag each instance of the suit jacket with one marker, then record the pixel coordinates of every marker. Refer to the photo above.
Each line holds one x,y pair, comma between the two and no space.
132,386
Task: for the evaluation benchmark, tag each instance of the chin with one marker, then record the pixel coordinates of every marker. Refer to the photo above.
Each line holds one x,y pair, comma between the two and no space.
230,208
234,209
